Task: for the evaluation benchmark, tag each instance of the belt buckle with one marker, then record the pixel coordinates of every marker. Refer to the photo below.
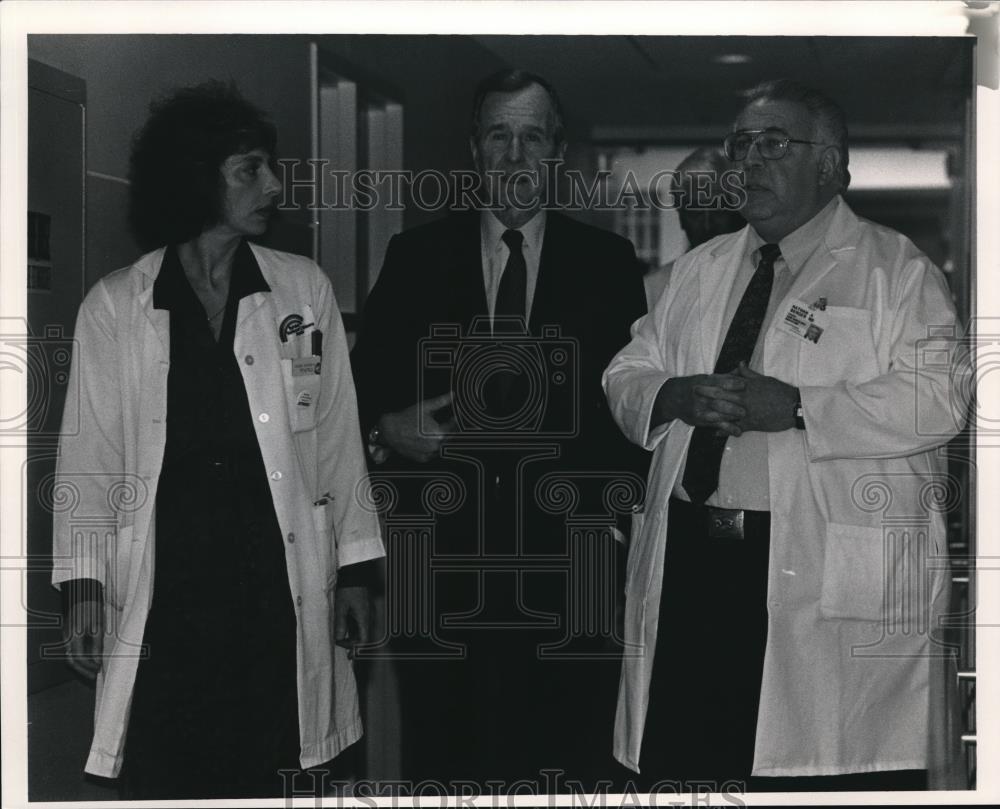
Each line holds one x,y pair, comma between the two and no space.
725,523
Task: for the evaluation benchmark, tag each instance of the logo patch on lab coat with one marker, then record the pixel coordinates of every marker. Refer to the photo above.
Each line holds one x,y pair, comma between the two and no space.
293,325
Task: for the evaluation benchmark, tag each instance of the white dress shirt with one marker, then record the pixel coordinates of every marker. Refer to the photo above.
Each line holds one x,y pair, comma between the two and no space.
495,253
743,474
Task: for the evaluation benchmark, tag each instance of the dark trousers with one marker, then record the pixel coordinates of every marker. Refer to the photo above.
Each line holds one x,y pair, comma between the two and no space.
707,667
510,707
503,715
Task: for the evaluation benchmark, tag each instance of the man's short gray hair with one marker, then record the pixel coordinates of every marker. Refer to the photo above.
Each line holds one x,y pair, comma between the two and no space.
511,80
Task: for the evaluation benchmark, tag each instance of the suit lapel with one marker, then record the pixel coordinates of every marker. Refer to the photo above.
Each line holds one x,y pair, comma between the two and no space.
463,271
554,259
249,304
159,319
838,245
715,285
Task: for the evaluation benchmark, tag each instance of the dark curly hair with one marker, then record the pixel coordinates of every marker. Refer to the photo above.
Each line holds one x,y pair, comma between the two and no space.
175,191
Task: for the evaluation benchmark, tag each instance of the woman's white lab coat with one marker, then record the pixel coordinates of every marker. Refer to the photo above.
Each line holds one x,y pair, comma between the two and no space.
853,670
111,451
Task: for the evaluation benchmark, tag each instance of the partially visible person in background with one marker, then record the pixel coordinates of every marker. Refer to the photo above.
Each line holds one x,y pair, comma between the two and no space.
212,379
701,208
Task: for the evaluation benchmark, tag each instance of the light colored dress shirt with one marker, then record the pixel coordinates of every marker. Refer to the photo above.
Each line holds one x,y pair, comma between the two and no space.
495,253
743,474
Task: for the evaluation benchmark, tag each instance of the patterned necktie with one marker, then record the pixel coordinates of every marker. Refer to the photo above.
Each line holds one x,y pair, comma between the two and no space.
701,474
514,281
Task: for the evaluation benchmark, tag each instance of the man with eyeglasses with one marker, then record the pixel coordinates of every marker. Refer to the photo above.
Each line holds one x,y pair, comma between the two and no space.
787,628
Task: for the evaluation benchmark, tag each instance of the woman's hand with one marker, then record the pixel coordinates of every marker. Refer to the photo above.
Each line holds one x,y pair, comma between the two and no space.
351,616
84,636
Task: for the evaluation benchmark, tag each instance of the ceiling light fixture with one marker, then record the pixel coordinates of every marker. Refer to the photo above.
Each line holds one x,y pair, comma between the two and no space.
731,59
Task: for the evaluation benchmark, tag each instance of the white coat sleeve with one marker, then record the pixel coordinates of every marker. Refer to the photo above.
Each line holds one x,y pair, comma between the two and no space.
91,461
913,407
634,377
342,469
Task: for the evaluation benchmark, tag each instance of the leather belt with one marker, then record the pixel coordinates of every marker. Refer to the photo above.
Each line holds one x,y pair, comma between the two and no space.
722,523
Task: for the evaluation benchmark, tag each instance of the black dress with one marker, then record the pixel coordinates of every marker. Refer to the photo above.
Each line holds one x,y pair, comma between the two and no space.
214,711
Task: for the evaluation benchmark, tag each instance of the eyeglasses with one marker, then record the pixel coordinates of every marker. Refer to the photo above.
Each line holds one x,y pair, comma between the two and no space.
772,144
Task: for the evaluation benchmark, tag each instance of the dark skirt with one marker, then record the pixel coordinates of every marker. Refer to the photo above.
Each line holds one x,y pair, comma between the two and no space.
214,712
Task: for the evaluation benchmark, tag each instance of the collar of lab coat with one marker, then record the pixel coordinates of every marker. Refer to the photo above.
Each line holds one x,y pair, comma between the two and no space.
169,286
151,264
727,254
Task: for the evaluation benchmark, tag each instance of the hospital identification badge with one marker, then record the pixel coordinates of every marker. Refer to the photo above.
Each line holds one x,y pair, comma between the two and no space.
306,366
805,321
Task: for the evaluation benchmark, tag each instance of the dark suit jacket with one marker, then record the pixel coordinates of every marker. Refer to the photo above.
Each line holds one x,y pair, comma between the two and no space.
588,293
511,550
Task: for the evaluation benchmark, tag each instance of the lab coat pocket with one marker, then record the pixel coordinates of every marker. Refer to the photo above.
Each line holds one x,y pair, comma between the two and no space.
844,351
302,387
117,571
854,573
322,515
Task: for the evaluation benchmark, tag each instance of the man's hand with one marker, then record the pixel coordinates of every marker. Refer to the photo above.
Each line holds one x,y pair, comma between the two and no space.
703,400
401,431
769,402
352,615
84,636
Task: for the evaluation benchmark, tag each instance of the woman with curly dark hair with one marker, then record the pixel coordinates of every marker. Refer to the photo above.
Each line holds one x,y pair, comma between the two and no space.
211,381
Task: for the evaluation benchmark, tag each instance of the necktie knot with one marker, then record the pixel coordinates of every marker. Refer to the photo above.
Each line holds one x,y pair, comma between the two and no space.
769,253
513,239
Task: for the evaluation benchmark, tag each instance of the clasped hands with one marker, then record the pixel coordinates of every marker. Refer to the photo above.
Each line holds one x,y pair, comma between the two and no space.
733,403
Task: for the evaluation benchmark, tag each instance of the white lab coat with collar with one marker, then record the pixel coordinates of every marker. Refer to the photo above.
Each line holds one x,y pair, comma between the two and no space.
853,681
111,451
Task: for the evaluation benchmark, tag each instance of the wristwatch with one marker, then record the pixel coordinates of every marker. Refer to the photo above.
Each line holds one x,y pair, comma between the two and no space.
377,448
800,419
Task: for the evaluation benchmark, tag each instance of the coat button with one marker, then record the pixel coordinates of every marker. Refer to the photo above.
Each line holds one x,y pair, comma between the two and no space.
291,536
264,418
276,475
248,359
298,601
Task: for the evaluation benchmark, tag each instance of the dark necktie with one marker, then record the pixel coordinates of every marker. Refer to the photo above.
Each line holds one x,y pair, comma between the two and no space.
514,281
701,473
508,318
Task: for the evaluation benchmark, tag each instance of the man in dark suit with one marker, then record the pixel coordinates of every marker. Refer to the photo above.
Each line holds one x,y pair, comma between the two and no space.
478,369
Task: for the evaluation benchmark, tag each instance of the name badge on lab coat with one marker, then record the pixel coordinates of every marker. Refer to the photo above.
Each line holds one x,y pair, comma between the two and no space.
306,366
803,321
